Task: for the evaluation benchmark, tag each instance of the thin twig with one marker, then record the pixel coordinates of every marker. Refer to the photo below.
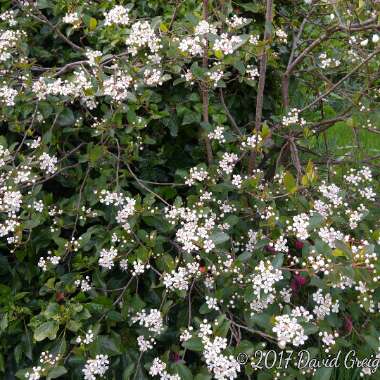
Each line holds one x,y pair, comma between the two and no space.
261,86
204,90
228,113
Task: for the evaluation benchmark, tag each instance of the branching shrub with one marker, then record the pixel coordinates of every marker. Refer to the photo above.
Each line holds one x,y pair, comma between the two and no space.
172,205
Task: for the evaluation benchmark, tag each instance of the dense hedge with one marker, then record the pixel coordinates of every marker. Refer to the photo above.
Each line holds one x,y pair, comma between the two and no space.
172,204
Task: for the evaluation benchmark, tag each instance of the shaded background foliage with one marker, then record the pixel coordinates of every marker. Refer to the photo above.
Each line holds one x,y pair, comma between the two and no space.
38,305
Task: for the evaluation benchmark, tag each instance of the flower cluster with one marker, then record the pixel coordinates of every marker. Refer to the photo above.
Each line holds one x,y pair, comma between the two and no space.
118,15
221,366
158,368
179,279
151,320
125,206
95,367
142,35
196,175
47,361
324,304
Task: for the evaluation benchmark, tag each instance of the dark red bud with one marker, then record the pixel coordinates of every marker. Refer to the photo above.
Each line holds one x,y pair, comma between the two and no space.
297,282
59,297
301,280
299,244
174,357
348,325
270,249
294,286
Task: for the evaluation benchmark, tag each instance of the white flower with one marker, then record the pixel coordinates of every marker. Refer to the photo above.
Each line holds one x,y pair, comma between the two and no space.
152,320
11,201
326,62
215,76
252,141
212,303
217,134
288,330
8,42
9,16
107,257
221,366
97,366
7,95
280,245
192,45
204,27
87,339
328,339
300,226
375,38
236,21
186,335
293,118
324,305
48,163
282,36
332,193
180,278
93,56
157,367
329,235
228,162
145,344
84,284
118,15
196,175
142,35
254,39
46,361
264,278
153,77
301,312
117,86
237,180
139,267
123,264
252,72
126,206
72,18
226,44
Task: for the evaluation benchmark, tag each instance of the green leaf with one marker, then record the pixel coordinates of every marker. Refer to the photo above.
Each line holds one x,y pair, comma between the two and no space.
278,260
46,330
202,376
92,23
95,153
183,371
194,344
290,183
323,373
66,118
56,372
219,237
107,345
129,371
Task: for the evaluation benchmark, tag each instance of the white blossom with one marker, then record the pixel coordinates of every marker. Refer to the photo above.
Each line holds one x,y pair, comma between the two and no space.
118,15
288,330
107,257
94,367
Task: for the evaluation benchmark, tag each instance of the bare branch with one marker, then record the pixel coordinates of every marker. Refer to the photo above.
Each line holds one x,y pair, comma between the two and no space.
261,86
